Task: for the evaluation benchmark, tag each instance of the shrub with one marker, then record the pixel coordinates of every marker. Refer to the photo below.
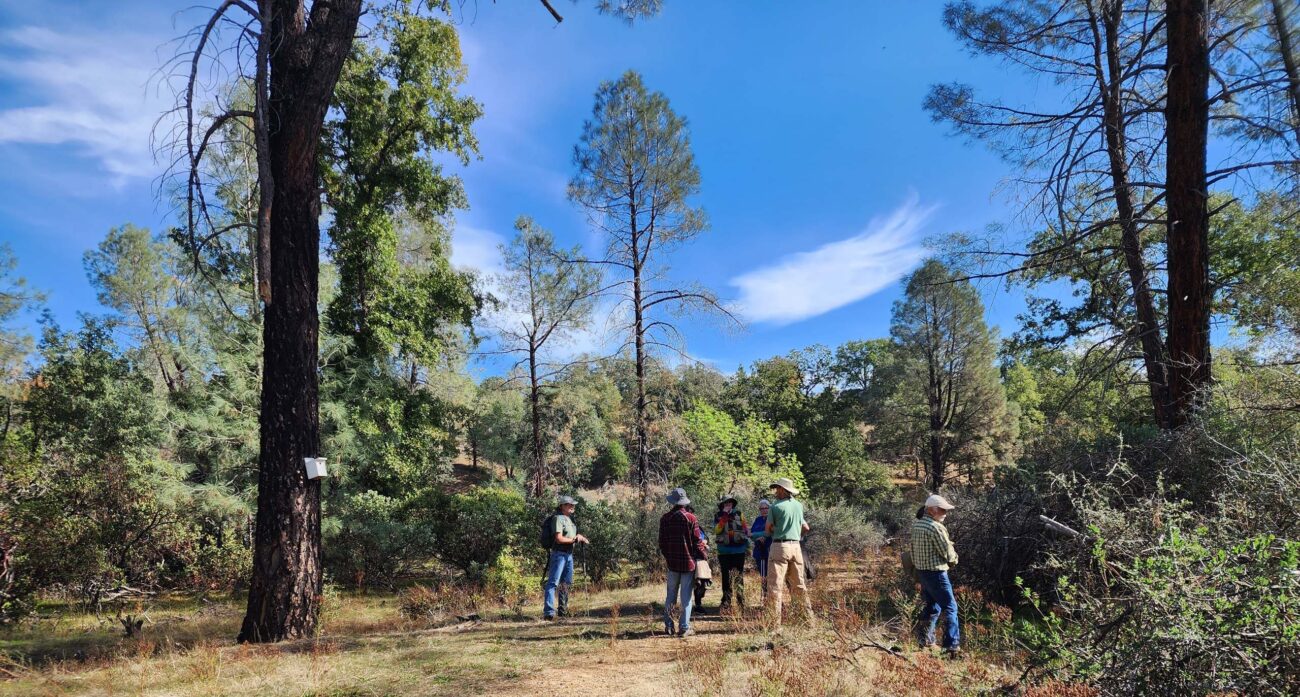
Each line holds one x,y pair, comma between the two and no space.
373,540
506,581
421,603
612,463
839,529
1163,600
607,528
472,529
221,561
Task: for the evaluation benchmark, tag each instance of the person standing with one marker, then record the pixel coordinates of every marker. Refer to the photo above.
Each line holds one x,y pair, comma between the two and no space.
563,534
703,574
786,526
732,535
681,544
932,555
758,534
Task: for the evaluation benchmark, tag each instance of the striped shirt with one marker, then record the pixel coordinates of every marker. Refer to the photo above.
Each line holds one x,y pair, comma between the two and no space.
931,548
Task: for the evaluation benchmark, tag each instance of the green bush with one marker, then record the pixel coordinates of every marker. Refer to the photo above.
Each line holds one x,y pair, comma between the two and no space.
507,582
612,464
373,539
472,529
607,528
1161,599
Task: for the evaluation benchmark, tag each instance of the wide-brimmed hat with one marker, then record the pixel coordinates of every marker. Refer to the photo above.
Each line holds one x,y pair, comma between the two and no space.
726,498
567,501
784,483
937,501
678,497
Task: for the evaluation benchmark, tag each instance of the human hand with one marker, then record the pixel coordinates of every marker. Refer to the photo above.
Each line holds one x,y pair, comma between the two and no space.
581,538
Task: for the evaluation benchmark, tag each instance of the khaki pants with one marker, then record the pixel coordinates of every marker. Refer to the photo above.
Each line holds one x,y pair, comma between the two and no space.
785,565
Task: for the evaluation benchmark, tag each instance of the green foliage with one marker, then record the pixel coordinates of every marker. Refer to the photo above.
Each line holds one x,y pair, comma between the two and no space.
472,529
498,425
612,464
396,103
606,526
842,470
1184,606
950,408
372,539
842,529
729,456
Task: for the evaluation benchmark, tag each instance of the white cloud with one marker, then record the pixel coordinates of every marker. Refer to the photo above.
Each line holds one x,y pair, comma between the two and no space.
807,284
476,249
90,91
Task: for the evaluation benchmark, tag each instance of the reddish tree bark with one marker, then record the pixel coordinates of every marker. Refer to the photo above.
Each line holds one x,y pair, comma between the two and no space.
307,51
1187,114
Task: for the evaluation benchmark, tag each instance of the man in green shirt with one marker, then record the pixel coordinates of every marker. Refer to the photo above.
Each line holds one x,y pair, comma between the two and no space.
559,566
785,527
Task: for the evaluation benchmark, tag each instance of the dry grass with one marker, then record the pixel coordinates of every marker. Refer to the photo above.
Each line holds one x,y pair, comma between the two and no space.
611,646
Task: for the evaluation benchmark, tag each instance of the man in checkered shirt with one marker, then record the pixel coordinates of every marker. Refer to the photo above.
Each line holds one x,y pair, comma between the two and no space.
932,554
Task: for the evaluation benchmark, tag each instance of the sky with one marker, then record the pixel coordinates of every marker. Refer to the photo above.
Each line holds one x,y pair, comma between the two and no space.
822,176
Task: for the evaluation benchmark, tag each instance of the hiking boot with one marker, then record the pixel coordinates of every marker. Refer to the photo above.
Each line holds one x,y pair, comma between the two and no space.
548,618
670,630
952,653
685,633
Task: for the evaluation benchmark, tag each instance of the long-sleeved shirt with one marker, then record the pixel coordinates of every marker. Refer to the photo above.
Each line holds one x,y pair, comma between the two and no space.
759,534
932,549
738,541
680,540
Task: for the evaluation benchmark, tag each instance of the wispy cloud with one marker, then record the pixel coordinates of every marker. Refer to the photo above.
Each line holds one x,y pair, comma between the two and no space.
86,90
807,284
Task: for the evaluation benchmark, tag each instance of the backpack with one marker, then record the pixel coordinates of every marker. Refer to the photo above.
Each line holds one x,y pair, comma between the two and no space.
547,537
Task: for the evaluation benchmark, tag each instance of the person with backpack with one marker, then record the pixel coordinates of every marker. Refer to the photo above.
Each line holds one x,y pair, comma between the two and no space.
732,535
758,535
559,534
681,544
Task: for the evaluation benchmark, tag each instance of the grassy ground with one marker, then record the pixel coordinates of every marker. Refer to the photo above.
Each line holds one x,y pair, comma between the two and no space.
612,646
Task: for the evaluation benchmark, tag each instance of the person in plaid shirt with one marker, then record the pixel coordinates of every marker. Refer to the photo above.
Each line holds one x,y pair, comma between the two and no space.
932,555
681,543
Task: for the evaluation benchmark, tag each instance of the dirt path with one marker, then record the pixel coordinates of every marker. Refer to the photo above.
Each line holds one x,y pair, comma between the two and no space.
634,658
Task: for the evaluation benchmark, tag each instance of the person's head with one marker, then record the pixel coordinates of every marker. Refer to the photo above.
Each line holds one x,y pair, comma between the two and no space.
784,488
937,507
727,504
566,505
677,498
764,506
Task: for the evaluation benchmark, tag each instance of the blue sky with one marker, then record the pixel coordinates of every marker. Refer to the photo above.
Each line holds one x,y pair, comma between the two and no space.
821,173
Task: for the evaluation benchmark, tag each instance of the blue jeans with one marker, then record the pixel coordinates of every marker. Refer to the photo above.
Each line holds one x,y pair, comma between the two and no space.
681,588
559,570
936,597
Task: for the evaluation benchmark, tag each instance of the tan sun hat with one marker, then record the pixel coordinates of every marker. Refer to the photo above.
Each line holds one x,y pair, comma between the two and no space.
937,501
784,483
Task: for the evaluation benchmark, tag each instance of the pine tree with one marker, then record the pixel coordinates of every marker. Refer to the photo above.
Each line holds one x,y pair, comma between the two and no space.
952,406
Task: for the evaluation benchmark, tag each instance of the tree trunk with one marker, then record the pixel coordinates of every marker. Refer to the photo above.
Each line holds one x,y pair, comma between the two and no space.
1147,327
1187,115
642,436
305,60
539,465
1282,27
